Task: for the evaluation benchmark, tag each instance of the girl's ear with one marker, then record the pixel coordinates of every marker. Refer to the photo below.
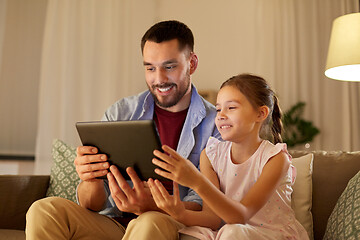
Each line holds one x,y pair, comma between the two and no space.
193,62
263,113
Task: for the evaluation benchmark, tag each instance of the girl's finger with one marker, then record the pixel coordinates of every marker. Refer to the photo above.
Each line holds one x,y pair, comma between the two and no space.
162,189
155,193
164,174
166,166
163,156
171,152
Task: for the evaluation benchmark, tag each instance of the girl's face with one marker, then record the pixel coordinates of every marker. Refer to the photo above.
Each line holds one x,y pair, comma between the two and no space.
236,118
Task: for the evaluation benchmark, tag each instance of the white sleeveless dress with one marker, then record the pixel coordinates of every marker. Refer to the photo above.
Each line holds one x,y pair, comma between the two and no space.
276,219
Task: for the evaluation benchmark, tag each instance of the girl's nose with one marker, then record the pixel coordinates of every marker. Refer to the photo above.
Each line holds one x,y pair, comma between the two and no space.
221,115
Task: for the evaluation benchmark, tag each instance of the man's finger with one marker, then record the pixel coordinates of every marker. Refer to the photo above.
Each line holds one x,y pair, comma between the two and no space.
122,183
117,194
86,159
92,175
138,184
82,150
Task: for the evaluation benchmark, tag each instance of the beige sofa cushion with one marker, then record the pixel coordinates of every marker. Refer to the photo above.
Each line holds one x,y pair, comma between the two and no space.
333,169
301,198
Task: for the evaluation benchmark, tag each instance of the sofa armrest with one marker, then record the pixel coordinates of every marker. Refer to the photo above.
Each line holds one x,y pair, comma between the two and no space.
18,192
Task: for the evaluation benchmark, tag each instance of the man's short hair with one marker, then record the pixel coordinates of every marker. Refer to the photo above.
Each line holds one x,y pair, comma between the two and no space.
169,30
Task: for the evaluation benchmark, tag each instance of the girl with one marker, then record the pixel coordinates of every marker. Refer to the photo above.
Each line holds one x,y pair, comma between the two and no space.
245,181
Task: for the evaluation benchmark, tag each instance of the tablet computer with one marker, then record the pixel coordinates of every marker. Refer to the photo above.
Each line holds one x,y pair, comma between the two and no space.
126,143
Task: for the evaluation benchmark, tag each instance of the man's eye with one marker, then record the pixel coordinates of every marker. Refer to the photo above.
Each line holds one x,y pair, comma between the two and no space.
151,69
170,67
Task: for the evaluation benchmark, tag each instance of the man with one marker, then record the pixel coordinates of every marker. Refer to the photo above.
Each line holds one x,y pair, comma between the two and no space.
184,121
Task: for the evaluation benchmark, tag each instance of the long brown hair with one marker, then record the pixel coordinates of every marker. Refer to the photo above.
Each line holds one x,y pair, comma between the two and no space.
259,93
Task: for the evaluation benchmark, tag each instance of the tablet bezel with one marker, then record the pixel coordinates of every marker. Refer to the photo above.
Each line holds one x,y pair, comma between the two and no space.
139,136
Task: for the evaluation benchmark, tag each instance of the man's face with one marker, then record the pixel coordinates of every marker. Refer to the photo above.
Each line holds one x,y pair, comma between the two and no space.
167,74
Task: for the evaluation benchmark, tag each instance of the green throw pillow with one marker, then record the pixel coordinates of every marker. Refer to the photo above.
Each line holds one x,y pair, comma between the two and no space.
63,177
344,221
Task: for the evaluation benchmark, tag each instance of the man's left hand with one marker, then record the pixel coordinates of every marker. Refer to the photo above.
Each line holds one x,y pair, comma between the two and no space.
135,199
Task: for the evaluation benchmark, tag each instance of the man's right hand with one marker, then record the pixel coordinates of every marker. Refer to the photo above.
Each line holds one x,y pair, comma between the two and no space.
89,164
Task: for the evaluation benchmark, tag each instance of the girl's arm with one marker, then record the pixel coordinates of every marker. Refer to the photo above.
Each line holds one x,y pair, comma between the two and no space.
172,204
240,212
229,210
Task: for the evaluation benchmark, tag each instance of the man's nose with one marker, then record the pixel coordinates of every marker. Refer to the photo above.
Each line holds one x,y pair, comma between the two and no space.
161,76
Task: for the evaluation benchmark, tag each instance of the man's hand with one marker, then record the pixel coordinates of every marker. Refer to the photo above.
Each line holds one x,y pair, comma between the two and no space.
90,165
136,200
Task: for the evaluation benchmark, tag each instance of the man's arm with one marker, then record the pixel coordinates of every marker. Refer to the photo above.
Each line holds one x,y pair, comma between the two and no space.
89,166
91,195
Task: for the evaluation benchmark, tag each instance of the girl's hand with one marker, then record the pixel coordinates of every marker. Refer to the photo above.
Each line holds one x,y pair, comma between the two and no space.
176,168
172,205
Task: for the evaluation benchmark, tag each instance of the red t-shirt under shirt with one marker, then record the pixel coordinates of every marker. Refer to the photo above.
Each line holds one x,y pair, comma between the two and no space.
169,125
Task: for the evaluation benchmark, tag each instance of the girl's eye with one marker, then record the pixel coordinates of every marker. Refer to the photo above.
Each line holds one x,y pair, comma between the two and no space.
218,110
231,108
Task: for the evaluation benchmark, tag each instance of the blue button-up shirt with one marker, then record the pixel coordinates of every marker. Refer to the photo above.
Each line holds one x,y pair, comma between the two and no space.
198,127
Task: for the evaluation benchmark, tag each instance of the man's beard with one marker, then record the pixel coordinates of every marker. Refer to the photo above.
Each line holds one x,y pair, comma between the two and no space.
179,94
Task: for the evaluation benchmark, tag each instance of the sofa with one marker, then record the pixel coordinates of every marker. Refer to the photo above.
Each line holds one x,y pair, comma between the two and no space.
321,179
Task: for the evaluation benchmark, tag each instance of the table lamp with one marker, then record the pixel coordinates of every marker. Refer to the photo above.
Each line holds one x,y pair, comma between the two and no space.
343,60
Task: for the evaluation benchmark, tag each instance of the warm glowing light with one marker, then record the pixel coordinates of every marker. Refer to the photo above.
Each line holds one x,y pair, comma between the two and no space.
343,61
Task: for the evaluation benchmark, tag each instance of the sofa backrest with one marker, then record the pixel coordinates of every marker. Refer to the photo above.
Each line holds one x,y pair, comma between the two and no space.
332,170
17,194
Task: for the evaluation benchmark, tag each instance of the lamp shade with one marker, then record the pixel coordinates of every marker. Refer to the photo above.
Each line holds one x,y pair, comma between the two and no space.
343,60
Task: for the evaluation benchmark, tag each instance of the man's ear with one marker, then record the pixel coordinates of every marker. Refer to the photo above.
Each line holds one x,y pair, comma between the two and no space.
193,62
263,113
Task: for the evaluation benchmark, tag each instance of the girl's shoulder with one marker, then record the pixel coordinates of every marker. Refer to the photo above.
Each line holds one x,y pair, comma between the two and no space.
269,150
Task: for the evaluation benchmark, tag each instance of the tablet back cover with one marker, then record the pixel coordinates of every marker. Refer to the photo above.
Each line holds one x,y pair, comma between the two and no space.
126,143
